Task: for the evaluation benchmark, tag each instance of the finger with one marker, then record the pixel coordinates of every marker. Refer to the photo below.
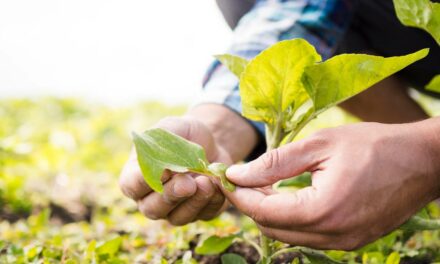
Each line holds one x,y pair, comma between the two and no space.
278,164
306,239
191,130
215,206
188,210
292,210
131,179
178,189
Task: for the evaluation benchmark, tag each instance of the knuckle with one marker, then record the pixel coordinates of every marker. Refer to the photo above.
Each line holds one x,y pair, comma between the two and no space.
319,138
175,221
150,212
271,159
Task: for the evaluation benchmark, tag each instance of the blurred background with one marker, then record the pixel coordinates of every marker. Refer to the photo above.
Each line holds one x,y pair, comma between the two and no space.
115,52
76,77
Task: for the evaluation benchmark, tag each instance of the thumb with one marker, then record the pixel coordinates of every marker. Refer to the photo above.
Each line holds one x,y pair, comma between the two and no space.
278,164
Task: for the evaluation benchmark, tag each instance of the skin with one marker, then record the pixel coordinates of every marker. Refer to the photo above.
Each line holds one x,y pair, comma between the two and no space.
188,197
395,158
361,189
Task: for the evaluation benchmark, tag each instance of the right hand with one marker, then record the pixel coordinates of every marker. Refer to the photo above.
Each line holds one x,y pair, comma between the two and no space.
186,197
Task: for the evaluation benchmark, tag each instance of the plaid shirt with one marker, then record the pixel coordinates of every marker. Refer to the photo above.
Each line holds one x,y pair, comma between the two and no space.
321,22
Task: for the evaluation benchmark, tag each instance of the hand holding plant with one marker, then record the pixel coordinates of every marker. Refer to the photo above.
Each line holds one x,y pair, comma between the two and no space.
361,189
186,197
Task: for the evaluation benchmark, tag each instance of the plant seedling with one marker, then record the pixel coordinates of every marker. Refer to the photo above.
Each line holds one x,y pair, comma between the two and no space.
285,86
425,15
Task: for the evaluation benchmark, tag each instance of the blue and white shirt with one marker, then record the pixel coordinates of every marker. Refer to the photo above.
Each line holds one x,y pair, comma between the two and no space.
321,22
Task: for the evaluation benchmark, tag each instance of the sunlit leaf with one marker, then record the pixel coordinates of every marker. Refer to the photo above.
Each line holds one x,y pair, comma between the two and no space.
270,87
393,258
158,149
110,247
341,77
234,63
434,84
422,14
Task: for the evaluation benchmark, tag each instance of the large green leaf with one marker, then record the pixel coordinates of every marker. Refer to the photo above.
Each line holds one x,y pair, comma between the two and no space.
434,84
271,87
234,63
420,14
341,77
214,245
158,149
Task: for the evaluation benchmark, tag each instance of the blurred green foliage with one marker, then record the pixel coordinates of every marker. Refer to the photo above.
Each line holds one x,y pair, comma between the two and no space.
60,201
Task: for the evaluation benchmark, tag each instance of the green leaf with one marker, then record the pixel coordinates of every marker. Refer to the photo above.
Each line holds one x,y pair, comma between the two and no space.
214,245
434,84
422,14
299,181
110,247
270,87
219,169
234,63
393,258
417,223
341,77
158,149
231,258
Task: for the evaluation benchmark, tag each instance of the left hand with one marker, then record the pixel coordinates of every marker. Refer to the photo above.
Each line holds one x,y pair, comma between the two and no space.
367,179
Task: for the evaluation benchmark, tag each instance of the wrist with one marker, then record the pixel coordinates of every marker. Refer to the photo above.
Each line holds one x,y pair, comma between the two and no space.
430,136
230,131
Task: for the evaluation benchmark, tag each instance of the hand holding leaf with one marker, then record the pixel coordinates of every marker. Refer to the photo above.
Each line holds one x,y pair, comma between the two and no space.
158,149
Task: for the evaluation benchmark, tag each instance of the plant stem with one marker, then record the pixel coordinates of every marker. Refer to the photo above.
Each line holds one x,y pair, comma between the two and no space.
274,136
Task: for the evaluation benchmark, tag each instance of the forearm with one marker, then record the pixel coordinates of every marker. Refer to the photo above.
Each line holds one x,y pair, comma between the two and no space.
430,133
386,102
231,131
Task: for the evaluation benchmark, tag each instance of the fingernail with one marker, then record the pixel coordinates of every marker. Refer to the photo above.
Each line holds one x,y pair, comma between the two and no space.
236,171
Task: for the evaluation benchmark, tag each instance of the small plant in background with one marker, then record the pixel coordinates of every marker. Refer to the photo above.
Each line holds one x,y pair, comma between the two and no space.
425,15
285,86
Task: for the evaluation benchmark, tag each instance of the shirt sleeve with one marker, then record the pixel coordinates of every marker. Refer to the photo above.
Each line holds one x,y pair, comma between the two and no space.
321,22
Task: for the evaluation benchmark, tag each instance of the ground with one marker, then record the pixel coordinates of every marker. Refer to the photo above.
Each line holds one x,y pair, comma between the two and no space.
60,201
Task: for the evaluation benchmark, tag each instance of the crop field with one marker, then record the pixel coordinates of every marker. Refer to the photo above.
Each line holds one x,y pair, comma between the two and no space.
60,201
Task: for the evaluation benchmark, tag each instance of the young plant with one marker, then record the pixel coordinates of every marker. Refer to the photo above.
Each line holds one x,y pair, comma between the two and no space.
285,86
425,15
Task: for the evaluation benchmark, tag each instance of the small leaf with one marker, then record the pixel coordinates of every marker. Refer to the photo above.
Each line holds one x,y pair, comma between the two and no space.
299,181
343,76
434,84
219,169
393,258
231,258
158,149
214,245
417,223
234,63
422,14
270,87
110,247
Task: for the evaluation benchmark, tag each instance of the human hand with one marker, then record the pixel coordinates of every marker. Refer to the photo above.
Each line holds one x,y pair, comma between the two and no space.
186,197
367,179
